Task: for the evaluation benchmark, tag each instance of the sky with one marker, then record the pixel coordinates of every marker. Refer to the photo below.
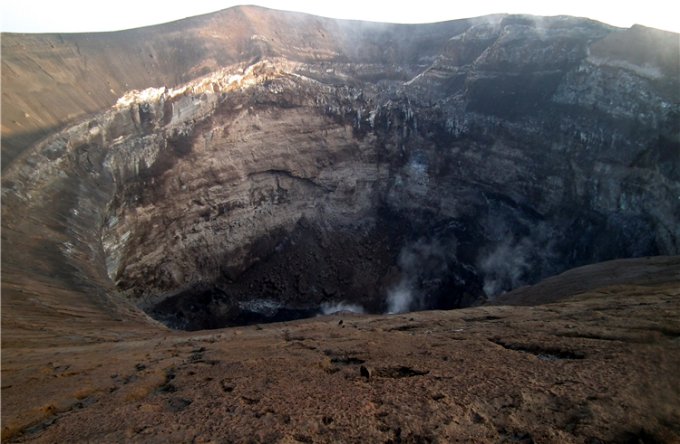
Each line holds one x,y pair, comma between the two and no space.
91,16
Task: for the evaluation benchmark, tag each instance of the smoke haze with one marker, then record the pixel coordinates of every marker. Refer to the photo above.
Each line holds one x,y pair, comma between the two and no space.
423,264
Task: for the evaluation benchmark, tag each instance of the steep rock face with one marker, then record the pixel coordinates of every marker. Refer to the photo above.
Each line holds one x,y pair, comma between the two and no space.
52,80
394,167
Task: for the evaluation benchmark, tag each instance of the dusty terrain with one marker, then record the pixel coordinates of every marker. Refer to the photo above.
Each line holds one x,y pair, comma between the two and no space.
600,366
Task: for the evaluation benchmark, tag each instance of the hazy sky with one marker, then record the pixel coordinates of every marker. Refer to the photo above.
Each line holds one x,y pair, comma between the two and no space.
91,15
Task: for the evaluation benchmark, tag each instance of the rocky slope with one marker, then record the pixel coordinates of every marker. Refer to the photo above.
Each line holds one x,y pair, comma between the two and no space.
600,367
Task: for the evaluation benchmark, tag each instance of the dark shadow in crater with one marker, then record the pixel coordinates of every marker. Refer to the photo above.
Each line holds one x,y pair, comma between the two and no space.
404,261
204,308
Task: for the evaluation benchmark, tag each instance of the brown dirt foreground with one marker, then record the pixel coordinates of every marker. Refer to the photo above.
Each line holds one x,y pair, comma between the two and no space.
601,366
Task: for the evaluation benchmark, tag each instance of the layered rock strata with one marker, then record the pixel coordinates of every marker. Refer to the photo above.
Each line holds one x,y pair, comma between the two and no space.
442,169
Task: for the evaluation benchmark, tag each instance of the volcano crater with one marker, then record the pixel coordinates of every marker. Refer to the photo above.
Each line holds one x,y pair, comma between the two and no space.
269,205
437,176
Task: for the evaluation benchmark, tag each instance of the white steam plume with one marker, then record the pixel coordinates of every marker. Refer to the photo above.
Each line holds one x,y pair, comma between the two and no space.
328,308
505,266
421,261
399,298
513,263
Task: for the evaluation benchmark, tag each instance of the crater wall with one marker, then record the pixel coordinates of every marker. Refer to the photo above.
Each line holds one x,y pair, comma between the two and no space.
381,167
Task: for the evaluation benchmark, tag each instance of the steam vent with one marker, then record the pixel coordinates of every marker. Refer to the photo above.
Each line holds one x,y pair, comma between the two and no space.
261,226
